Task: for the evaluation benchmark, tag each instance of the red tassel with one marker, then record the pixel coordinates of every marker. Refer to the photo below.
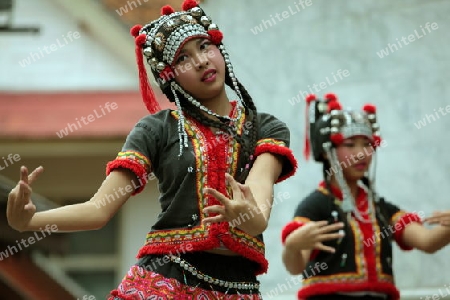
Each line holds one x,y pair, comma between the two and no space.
216,36
134,31
370,108
188,4
337,138
334,105
148,96
330,97
307,149
167,10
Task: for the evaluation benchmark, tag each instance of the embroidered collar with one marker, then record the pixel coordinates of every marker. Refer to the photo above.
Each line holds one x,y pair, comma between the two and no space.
361,197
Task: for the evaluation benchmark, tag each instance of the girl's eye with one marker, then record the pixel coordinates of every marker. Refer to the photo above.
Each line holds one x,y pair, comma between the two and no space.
181,58
349,145
205,45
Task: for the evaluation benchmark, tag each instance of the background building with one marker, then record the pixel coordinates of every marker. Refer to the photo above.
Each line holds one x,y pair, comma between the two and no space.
62,60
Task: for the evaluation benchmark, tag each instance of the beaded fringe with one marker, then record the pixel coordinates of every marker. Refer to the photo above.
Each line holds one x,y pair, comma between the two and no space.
174,87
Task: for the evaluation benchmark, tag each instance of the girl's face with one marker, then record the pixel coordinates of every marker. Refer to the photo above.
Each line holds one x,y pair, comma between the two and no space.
200,69
354,156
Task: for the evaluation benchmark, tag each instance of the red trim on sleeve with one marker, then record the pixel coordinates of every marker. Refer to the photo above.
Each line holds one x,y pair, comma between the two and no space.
400,226
289,228
280,150
133,166
293,225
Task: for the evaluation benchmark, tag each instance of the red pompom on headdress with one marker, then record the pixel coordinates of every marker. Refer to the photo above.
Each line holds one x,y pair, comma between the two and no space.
188,4
370,108
307,146
334,105
337,138
330,97
216,36
140,40
134,31
310,98
148,96
167,10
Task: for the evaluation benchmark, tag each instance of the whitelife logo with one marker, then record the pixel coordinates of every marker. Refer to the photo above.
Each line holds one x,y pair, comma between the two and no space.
34,56
11,250
11,158
107,108
273,20
391,48
432,118
124,9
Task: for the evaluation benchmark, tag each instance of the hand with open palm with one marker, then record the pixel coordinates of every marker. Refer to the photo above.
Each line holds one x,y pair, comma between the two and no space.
312,235
20,209
242,203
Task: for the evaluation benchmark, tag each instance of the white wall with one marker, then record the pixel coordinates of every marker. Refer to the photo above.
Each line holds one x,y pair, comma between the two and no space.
306,48
80,63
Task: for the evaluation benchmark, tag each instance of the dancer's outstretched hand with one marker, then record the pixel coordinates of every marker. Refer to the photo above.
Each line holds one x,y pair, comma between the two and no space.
312,235
20,209
439,217
240,211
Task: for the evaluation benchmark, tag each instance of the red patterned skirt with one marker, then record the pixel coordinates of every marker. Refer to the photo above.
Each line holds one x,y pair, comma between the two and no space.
193,276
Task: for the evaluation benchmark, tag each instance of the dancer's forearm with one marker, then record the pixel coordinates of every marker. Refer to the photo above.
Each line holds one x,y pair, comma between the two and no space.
77,217
90,215
294,259
427,240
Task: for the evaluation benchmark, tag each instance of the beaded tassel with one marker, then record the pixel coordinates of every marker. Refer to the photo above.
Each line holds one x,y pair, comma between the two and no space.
230,70
182,135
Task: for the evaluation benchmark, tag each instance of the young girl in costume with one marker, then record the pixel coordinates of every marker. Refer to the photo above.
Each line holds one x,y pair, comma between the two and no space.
340,238
216,161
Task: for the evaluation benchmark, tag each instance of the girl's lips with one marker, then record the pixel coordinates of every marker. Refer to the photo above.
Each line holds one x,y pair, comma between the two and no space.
209,76
360,166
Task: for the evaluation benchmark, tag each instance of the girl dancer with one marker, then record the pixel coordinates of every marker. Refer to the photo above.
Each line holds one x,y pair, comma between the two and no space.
341,234
216,161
